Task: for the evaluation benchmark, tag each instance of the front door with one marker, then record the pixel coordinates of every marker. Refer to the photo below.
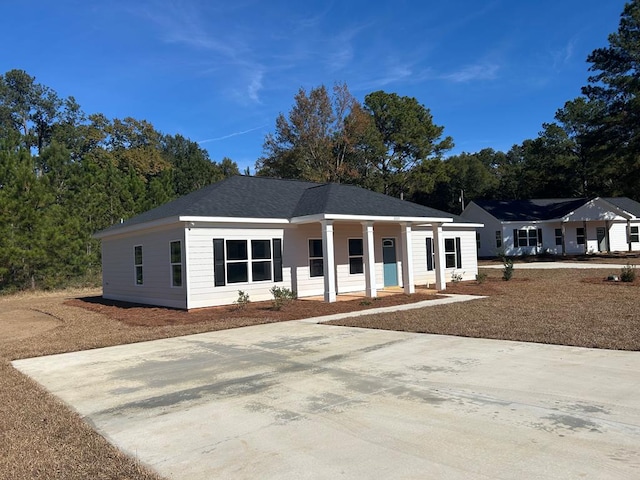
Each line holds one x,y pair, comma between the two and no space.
389,261
601,233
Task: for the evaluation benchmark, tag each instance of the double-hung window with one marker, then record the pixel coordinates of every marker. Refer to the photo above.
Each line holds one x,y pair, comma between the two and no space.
316,261
558,236
356,255
580,235
137,260
176,263
452,253
246,261
634,234
498,239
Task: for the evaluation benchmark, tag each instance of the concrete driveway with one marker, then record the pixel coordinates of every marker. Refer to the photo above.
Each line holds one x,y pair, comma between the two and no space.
298,400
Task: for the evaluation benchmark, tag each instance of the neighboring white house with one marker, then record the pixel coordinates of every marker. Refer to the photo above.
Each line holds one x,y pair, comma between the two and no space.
555,226
252,233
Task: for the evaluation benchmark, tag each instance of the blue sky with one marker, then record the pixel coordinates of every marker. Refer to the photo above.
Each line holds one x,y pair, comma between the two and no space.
219,73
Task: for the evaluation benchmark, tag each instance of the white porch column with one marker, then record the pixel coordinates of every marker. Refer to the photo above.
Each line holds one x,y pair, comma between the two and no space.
438,245
369,260
407,259
328,261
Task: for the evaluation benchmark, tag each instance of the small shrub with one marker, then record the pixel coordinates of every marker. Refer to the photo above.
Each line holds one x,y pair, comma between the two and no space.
242,301
507,270
282,296
628,273
481,277
365,302
456,277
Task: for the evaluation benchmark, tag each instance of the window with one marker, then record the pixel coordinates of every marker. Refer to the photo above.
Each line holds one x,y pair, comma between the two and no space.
137,255
430,255
316,268
558,236
176,263
498,239
232,259
356,255
527,237
237,261
452,253
261,260
634,235
580,235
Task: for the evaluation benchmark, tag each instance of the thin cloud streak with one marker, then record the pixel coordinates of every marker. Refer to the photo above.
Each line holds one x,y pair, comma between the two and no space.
234,134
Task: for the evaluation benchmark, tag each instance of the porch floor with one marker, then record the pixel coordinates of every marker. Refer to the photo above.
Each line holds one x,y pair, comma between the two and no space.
386,292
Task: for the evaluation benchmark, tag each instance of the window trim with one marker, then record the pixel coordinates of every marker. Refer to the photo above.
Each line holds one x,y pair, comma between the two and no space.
310,258
351,256
137,265
173,264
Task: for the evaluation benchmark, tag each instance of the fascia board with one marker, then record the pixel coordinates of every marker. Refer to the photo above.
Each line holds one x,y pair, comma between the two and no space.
366,218
138,226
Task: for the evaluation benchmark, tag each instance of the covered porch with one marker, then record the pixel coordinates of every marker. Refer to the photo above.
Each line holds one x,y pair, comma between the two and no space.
378,255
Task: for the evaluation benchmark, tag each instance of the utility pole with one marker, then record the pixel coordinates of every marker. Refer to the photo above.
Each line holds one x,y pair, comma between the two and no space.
461,200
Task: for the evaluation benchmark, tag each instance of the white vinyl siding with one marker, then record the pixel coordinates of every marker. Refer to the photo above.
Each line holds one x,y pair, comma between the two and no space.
118,271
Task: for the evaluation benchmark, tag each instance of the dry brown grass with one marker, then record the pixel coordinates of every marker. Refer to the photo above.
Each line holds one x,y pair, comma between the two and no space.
565,307
40,438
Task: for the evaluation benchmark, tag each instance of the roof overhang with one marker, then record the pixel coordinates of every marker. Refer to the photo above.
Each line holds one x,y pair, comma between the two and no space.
367,218
187,221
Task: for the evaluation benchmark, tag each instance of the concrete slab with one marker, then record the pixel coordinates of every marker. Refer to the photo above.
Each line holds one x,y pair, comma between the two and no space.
297,400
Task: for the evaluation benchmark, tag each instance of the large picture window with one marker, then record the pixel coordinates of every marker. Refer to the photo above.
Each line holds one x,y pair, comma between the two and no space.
316,262
244,261
137,260
176,263
527,237
356,255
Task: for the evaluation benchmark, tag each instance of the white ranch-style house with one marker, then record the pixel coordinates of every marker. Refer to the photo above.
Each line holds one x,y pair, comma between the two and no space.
253,233
555,226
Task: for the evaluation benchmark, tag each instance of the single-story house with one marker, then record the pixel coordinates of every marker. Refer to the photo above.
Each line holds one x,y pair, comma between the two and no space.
251,233
555,226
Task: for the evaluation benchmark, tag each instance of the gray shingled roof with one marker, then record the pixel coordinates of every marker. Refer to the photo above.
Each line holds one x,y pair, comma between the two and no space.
547,208
626,204
531,210
260,197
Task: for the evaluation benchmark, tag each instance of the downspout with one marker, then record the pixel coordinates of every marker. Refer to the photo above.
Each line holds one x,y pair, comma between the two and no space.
629,233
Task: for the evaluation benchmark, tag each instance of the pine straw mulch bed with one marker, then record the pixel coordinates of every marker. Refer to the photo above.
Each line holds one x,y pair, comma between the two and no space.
232,316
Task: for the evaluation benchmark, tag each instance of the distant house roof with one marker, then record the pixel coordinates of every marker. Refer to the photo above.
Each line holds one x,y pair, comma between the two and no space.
530,210
269,198
547,208
626,204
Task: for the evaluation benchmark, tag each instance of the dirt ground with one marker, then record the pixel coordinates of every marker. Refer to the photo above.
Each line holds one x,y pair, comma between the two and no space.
40,438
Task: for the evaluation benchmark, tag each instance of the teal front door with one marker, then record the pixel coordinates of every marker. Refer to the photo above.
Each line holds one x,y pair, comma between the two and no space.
389,261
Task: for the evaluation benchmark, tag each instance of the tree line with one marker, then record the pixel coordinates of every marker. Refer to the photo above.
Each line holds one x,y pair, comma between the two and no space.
390,143
65,174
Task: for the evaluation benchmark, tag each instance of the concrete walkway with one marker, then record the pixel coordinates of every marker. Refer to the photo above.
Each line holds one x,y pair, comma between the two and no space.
297,400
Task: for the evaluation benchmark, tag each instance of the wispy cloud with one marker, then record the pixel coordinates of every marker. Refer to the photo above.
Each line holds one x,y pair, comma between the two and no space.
182,23
469,73
563,55
231,135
